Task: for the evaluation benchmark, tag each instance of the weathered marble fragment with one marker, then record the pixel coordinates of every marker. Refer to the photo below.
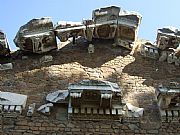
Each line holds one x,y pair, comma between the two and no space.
12,102
36,36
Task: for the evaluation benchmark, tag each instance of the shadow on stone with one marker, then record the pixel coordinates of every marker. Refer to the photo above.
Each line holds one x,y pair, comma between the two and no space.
154,72
104,52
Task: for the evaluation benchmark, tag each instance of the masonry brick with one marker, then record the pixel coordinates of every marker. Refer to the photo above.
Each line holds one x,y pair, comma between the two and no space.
137,77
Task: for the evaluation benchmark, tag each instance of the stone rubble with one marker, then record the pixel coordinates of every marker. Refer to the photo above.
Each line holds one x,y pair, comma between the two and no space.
45,109
46,58
57,96
12,102
166,47
31,109
91,48
6,66
4,46
136,110
37,36
149,50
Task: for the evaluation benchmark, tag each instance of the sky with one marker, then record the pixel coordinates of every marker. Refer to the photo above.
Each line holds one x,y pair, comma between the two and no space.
155,13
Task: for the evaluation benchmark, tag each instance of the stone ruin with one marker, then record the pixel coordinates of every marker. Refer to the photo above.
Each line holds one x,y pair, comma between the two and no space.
39,35
11,103
149,50
168,41
166,48
36,36
95,97
4,53
168,37
94,100
168,96
6,66
85,100
4,47
64,30
11,106
116,23
106,23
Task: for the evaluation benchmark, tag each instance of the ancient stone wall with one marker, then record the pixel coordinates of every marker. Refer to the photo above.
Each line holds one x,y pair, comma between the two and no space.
137,76
45,126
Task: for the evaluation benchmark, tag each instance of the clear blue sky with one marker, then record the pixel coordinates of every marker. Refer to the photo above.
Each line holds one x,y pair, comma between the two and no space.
155,13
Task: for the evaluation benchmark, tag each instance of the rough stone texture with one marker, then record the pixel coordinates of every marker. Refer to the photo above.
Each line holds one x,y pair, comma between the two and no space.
138,76
36,36
4,48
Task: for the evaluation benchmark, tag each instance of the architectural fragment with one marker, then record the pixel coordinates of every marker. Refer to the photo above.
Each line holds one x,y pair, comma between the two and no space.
45,109
128,26
168,37
4,47
149,50
31,109
12,102
107,23
93,97
135,111
167,46
168,96
65,30
6,66
91,48
93,100
59,96
168,42
115,23
36,36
